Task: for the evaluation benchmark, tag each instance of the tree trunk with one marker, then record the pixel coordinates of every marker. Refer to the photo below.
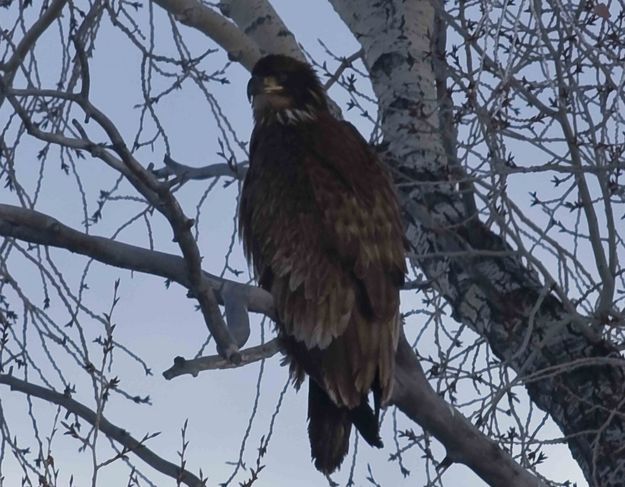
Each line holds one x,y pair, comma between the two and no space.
569,371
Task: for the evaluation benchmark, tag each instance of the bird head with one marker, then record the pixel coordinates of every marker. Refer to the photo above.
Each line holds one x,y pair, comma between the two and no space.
285,90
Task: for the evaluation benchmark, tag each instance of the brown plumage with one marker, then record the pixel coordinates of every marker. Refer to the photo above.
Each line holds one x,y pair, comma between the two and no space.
320,222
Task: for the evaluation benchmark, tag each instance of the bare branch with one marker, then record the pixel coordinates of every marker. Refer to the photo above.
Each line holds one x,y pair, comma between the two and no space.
345,63
160,196
29,41
234,41
114,432
32,226
478,102
194,366
182,172
271,35
464,443
492,64
259,20
37,228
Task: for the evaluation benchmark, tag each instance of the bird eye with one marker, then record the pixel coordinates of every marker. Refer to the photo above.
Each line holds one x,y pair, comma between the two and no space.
281,77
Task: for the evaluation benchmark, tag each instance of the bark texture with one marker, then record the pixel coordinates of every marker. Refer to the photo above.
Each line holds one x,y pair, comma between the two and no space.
569,371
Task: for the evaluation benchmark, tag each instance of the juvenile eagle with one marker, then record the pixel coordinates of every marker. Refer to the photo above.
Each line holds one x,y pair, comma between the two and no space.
320,222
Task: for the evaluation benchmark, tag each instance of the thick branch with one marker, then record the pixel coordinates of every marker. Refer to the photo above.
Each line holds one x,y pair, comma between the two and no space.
464,443
109,429
260,21
34,227
234,41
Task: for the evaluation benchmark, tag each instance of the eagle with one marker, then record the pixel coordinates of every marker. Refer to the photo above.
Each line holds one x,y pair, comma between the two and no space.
321,227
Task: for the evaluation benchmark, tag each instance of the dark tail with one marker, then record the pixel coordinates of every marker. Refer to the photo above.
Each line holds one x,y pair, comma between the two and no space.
329,427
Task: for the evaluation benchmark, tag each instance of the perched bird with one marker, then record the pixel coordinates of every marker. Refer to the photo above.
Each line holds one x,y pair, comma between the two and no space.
321,225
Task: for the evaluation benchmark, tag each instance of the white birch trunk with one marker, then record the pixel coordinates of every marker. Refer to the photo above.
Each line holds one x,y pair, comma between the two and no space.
494,296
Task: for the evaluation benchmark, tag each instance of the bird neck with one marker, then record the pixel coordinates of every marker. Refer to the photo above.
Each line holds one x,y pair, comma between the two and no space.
286,116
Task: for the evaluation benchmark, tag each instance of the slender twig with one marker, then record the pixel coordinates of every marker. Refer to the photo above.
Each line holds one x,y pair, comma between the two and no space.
105,426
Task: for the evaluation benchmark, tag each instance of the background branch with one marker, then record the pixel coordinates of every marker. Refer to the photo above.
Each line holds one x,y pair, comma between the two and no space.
183,172
154,191
518,315
114,432
28,42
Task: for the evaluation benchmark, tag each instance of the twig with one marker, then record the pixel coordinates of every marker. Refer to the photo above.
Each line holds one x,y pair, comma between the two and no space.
109,429
345,63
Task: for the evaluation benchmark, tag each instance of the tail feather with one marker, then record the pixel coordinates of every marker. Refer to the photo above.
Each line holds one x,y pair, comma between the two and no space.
329,428
366,422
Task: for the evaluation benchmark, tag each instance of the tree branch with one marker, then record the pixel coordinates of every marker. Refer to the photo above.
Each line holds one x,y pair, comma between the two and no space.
28,42
194,366
184,173
232,39
260,21
34,227
464,443
345,63
154,191
109,429
494,296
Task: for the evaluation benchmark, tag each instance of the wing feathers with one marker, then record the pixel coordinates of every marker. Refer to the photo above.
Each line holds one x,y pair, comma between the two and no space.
318,214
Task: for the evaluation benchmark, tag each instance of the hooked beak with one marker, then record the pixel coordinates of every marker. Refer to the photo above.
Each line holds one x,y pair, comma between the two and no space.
262,84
